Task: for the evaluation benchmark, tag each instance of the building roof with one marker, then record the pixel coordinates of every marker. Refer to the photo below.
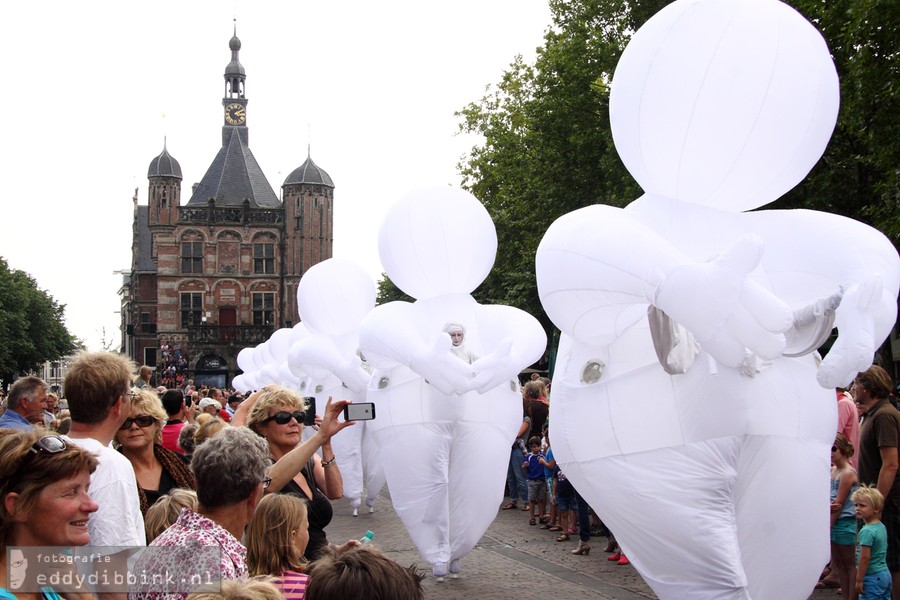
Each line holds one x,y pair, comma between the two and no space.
235,175
164,165
309,173
144,263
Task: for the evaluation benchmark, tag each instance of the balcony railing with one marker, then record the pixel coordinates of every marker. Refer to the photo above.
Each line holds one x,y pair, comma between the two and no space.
230,215
238,335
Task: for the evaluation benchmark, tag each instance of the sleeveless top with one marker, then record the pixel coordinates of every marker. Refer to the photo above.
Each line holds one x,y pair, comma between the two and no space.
848,510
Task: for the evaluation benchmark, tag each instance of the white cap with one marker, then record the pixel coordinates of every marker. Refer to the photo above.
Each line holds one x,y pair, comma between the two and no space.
209,402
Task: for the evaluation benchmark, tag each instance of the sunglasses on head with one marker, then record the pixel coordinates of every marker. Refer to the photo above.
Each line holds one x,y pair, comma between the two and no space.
284,417
48,444
142,421
51,444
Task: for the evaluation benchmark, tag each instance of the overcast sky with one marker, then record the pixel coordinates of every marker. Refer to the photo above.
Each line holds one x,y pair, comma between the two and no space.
93,88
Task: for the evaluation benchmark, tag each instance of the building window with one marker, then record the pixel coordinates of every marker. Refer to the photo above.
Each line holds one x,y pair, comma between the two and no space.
191,257
264,258
150,357
263,308
191,309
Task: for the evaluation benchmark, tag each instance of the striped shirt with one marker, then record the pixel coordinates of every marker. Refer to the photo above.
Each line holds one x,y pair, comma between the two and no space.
292,584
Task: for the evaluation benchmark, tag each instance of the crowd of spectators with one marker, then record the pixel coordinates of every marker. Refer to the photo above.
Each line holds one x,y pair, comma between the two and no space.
149,466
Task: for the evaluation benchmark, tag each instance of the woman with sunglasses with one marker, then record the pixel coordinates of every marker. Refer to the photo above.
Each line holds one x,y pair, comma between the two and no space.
157,469
44,497
277,414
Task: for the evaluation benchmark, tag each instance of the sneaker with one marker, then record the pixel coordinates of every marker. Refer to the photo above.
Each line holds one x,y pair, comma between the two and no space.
614,557
624,560
439,570
454,568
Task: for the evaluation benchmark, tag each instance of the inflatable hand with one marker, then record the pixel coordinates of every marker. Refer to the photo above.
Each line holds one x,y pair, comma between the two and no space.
725,310
855,346
443,369
495,368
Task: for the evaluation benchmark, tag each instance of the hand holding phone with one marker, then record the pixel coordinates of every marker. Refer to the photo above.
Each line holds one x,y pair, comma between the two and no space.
310,418
360,411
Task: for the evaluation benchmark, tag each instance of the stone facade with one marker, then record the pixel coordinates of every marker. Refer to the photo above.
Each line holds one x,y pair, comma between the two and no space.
220,273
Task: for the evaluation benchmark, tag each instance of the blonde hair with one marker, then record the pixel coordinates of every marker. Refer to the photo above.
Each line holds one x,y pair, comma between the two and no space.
166,510
274,396
147,401
868,494
257,588
203,418
207,429
269,536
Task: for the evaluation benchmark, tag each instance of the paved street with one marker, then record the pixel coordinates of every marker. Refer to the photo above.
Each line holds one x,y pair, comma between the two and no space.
513,560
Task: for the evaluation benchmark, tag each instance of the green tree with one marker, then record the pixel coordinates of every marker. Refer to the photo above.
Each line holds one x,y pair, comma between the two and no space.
388,291
858,175
31,325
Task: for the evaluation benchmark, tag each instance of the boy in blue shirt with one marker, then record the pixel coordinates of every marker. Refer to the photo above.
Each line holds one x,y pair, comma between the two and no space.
534,464
873,580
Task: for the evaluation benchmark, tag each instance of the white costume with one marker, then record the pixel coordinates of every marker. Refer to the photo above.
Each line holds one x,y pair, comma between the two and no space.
697,428
333,297
444,426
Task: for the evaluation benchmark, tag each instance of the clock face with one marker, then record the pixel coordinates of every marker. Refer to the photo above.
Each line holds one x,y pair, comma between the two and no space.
235,114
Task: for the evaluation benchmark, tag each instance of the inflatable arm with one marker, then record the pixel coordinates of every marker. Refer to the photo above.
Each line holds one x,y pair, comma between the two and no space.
520,342
394,334
604,262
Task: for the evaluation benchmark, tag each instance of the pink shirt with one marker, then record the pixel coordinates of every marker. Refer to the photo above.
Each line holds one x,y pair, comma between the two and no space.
292,585
848,423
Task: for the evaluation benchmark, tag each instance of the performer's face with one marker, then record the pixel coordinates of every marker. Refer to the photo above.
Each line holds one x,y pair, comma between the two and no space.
457,337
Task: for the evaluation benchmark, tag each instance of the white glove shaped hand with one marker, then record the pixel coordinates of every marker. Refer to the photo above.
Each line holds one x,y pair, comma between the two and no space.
855,346
443,369
725,310
496,368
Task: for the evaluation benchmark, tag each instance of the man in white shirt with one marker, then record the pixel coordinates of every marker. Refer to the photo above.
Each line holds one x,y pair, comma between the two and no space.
98,388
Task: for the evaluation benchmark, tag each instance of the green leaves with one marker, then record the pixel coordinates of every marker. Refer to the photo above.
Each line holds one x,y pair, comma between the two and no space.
31,325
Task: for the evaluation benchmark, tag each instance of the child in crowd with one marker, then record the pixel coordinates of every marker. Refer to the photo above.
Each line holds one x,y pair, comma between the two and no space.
165,511
565,501
843,521
873,580
534,465
550,521
276,539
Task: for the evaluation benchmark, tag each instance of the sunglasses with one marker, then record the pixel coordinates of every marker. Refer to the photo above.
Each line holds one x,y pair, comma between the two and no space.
142,421
284,417
267,481
49,444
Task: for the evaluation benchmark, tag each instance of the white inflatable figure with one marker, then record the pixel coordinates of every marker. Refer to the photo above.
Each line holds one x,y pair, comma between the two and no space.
444,425
333,297
685,403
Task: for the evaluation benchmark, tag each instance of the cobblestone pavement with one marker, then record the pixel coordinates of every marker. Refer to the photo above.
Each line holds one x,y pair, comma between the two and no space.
512,561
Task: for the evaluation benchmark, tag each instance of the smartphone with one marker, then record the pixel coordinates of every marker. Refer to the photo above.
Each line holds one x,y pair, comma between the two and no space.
359,411
310,418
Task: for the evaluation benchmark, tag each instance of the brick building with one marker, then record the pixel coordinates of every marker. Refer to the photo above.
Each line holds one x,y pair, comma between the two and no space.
220,272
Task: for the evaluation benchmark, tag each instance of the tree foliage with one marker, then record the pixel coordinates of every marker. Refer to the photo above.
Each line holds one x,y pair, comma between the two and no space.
389,292
31,325
858,176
